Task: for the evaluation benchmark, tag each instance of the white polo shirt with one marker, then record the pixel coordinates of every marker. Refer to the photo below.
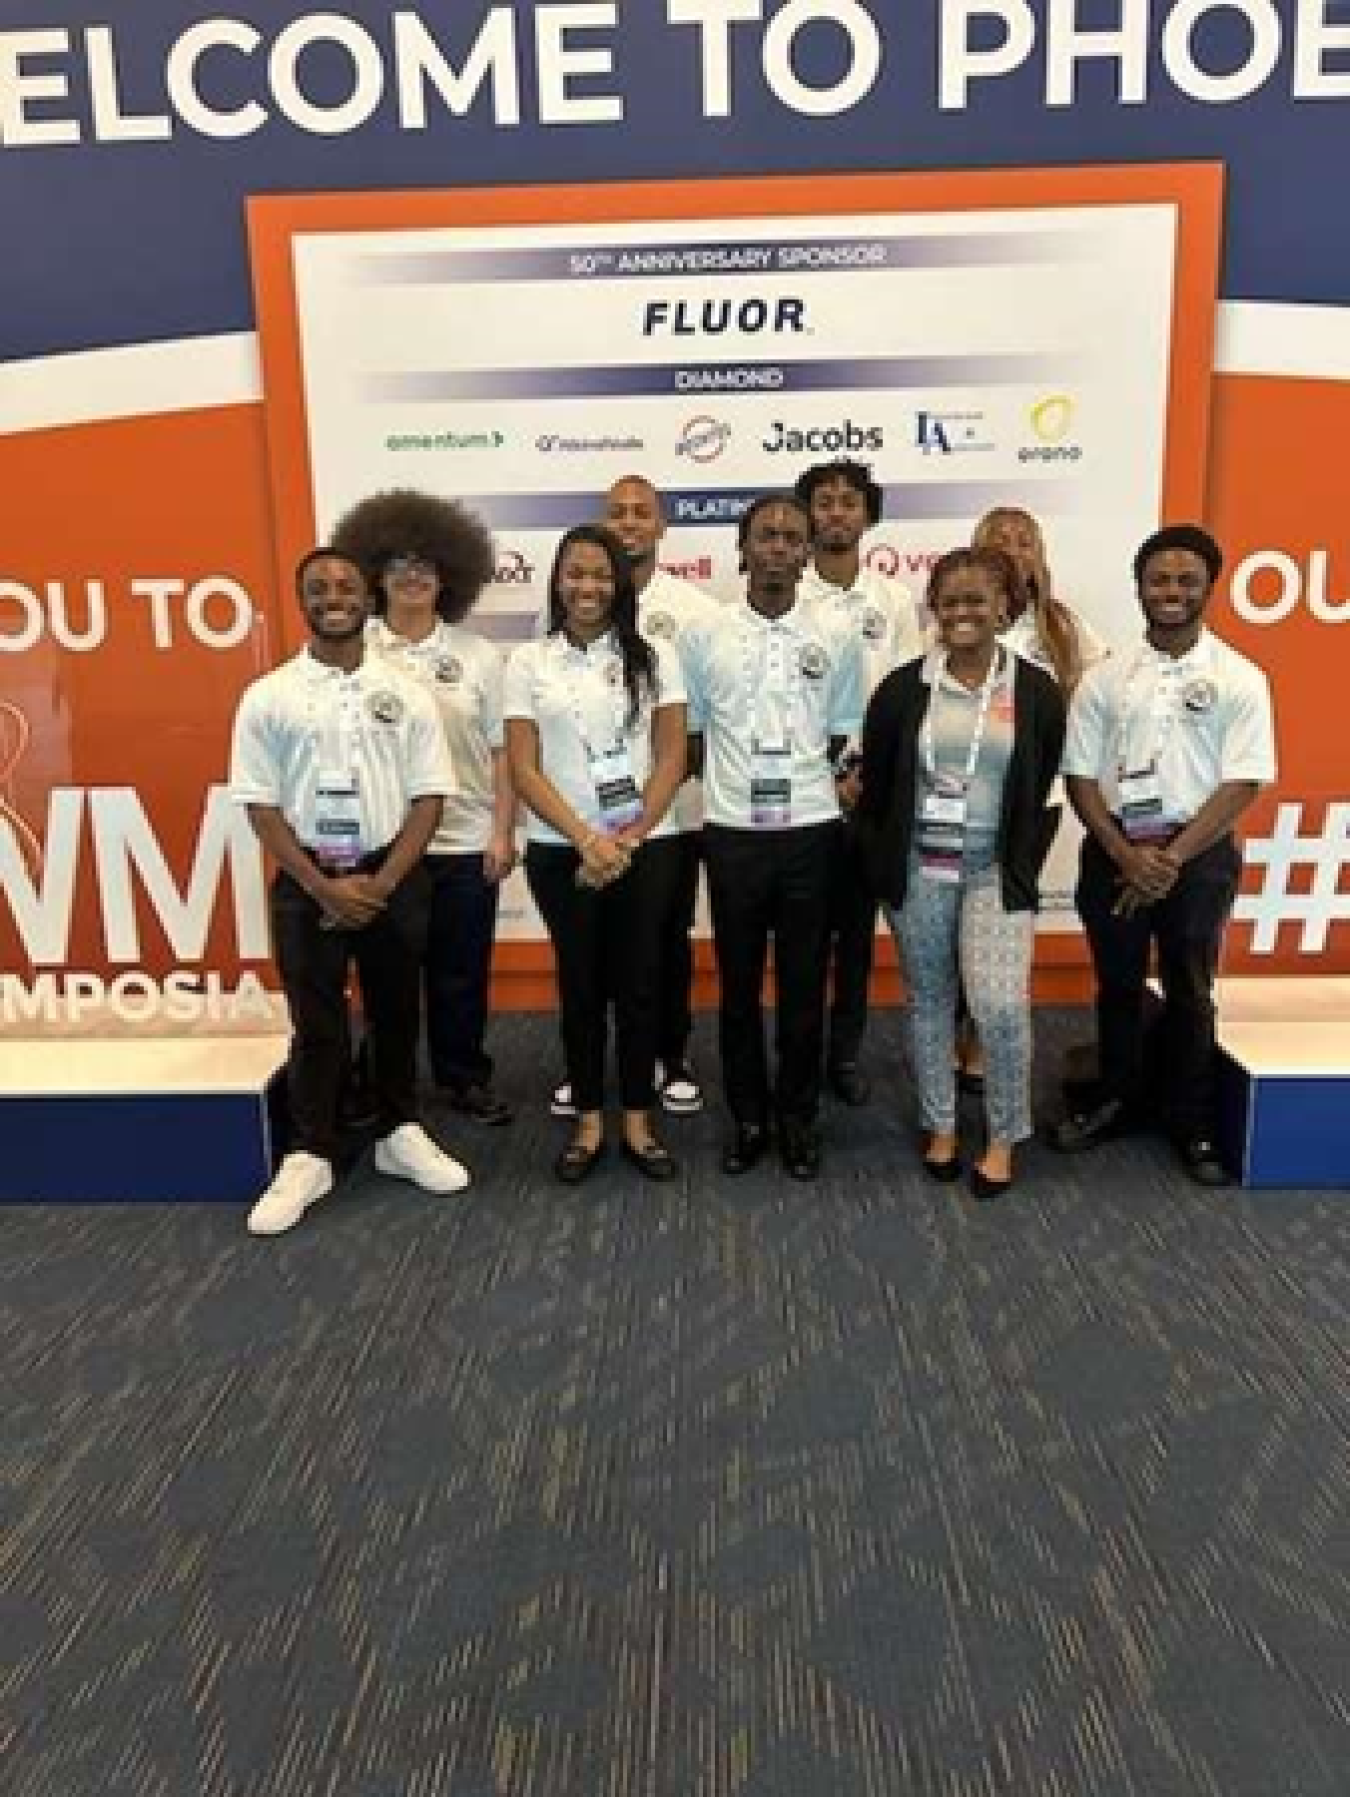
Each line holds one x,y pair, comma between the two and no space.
575,695
305,720
463,674
1202,719
668,609
797,679
878,611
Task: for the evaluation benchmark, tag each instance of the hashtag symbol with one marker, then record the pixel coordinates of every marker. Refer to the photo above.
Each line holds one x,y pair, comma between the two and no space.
1327,854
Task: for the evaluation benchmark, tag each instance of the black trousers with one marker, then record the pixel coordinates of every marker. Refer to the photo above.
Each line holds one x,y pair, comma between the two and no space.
1187,927
459,968
852,934
607,945
764,885
674,1016
313,965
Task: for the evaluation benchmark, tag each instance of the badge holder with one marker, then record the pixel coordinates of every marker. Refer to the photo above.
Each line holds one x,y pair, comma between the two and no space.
337,830
942,831
1141,807
770,786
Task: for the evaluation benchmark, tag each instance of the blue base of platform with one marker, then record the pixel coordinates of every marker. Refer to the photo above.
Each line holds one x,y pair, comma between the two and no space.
170,1147
1285,1131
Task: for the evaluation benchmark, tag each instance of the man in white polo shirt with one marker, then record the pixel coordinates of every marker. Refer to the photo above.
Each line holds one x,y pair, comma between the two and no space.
1167,747
844,503
775,692
342,765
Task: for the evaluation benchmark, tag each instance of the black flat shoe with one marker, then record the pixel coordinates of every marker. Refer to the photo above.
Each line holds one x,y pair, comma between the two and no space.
1082,1131
652,1159
799,1146
988,1188
942,1169
577,1161
479,1102
744,1149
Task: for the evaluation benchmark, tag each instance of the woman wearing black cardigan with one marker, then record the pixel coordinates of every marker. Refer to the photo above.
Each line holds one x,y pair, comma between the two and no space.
959,751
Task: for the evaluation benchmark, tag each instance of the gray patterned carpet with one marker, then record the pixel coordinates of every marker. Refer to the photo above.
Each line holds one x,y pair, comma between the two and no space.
714,1489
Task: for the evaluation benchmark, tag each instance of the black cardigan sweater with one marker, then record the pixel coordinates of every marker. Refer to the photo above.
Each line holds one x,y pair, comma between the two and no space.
884,817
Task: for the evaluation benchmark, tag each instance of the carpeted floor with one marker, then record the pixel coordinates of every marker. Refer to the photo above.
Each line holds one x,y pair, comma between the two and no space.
719,1488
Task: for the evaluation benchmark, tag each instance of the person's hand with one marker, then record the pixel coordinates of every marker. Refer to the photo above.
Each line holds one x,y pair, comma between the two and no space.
351,901
499,859
603,860
848,787
1151,869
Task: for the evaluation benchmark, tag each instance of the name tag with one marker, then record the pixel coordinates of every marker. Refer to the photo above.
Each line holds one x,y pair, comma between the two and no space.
1142,818
616,789
942,835
338,839
771,786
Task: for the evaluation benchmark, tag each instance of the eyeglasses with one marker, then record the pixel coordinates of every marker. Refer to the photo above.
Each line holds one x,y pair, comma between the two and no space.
409,563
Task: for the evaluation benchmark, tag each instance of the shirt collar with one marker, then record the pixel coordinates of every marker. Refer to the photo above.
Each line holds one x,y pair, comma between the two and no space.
791,620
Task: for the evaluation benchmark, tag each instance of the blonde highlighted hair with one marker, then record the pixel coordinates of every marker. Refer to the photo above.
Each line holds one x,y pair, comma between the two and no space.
1055,625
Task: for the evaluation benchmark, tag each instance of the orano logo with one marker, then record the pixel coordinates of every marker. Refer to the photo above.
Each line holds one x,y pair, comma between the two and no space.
1051,418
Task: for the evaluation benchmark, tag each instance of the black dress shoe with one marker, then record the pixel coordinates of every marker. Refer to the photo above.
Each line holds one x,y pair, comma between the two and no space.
799,1146
576,1162
479,1102
744,1149
653,1159
1202,1162
1081,1131
988,1188
942,1169
850,1084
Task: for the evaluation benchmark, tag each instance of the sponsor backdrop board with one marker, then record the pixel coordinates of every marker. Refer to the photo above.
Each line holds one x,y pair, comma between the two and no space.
969,353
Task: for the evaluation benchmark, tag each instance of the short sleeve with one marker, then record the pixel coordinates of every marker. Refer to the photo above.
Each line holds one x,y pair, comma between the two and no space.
848,694
493,677
517,699
429,767
670,683
255,765
694,665
1085,743
1247,753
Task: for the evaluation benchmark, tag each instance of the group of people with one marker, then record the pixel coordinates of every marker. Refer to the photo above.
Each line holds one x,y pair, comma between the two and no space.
820,748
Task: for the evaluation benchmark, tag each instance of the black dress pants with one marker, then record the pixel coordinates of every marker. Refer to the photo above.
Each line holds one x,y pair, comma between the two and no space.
852,938
1187,927
607,946
674,1018
459,967
313,964
763,885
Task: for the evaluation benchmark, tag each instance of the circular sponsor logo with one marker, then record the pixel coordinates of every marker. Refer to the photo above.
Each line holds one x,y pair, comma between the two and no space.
1199,695
614,673
884,558
812,661
1051,418
385,707
450,671
873,624
659,625
703,439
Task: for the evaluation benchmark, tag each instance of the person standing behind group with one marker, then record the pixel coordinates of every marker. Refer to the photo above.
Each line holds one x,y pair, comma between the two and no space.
774,693
595,729
430,560
342,766
959,752
1169,744
844,503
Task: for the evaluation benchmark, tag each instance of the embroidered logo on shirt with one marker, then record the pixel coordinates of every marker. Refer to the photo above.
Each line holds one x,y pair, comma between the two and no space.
1199,695
659,625
873,624
385,707
450,671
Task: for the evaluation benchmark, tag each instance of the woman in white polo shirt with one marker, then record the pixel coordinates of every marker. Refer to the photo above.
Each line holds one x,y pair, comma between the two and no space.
429,560
595,731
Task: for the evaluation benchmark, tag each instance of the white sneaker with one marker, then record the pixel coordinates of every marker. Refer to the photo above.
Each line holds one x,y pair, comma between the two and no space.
302,1180
678,1088
409,1154
562,1105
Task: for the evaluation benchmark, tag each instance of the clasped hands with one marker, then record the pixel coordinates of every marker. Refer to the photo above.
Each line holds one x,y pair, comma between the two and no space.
605,859
351,902
1148,873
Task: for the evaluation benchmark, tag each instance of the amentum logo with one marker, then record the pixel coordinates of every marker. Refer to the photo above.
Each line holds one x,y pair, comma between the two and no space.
716,318
1051,420
446,440
703,439
796,439
513,570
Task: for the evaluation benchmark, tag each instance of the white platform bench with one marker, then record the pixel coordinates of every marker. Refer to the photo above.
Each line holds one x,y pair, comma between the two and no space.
1284,1046
139,1118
